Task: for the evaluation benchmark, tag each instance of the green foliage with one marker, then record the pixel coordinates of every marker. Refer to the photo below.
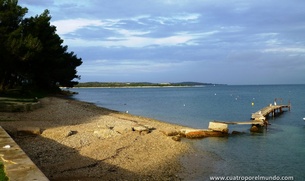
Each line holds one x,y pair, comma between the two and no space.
32,54
3,177
10,31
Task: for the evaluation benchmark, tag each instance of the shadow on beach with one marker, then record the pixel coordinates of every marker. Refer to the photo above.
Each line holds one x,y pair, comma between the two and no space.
68,164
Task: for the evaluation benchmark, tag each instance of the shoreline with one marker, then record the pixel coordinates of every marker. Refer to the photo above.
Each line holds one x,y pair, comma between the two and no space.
80,140
137,87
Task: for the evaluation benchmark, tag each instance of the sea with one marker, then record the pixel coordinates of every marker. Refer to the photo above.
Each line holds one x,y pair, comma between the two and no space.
277,153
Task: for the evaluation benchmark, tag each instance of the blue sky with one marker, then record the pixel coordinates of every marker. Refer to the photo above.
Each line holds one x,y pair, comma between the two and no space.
215,41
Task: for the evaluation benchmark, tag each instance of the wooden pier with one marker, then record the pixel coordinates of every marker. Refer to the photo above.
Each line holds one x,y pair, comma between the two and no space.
220,128
254,122
266,111
258,118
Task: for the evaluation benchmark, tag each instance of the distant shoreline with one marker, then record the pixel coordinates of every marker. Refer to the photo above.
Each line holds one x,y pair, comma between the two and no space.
141,84
141,87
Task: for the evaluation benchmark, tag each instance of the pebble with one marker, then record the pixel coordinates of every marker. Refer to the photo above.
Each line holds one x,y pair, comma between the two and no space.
7,146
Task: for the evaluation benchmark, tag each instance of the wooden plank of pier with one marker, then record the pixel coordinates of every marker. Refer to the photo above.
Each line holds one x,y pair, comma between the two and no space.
256,122
265,112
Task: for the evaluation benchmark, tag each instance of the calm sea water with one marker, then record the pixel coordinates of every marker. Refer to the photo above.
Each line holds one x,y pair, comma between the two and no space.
279,150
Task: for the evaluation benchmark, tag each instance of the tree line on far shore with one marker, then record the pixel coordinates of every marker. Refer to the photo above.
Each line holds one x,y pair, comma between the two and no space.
31,53
139,84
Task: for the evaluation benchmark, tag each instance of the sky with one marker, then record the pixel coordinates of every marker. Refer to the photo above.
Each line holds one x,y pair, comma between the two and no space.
235,42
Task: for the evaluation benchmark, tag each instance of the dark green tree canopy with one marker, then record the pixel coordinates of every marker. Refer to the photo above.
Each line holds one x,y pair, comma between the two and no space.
31,53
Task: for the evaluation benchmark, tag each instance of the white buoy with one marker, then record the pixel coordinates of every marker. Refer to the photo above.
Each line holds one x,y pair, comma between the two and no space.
304,119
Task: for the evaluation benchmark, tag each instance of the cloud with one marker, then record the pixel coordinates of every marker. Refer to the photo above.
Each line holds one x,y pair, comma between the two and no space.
72,25
109,67
121,25
120,33
293,50
183,39
44,3
178,18
128,39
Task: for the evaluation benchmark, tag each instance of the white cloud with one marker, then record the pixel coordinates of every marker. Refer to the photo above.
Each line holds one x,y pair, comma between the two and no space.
232,28
71,2
177,18
72,25
267,35
131,41
126,32
182,38
285,50
124,37
124,66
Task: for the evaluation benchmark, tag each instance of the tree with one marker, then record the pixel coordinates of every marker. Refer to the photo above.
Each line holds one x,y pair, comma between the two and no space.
52,66
32,53
11,16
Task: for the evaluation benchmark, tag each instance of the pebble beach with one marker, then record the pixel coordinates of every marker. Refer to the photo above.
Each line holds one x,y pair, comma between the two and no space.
80,141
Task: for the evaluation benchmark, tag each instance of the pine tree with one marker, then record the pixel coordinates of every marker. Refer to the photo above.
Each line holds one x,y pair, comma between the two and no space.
32,53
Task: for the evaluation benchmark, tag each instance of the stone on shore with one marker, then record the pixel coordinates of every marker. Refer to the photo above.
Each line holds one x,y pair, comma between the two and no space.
140,128
211,133
193,133
254,129
143,129
221,127
196,133
28,131
70,133
176,138
122,129
105,133
170,132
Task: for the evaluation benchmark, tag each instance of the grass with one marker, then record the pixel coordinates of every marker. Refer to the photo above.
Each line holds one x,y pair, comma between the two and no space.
3,176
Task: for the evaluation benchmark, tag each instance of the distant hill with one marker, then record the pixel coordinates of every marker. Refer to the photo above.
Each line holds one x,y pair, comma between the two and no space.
140,84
